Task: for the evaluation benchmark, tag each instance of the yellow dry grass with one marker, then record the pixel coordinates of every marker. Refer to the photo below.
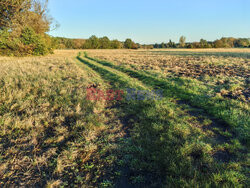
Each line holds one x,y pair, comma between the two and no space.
45,118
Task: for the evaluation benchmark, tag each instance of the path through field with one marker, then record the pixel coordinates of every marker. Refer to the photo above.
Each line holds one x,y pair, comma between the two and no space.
174,131
176,125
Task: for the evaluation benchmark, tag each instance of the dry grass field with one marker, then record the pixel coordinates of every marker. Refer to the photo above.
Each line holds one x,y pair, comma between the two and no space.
197,135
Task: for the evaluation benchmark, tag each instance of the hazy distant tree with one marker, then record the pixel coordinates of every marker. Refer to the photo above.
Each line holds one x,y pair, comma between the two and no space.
115,44
230,42
224,42
169,44
94,42
163,45
219,44
128,44
145,46
172,44
78,43
203,43
150,46
104,43
135,45
196,45
190,45
156,45
182,41
242,43
69,44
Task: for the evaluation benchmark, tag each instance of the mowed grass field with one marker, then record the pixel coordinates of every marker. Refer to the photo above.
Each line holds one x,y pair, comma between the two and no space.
197,135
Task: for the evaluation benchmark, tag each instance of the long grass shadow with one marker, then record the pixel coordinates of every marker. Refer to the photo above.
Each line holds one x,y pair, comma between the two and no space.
153,153
220,109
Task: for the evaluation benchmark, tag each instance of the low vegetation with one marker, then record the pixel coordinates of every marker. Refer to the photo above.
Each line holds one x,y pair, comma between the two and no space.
196,135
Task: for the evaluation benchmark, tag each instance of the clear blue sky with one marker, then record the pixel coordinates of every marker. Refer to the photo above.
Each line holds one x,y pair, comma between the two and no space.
150,21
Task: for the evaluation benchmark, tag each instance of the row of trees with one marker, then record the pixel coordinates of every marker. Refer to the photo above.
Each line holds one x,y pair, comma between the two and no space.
23,27
221,43
105,43
94,43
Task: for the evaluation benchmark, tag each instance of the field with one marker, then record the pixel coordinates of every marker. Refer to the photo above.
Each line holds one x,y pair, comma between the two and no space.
195,135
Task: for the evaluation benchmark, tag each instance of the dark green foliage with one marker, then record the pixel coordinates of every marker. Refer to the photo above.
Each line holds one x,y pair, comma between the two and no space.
129,44
105,43
115,44
101,43
23,27
171,44
242,43
3,39
93,42
163,45
221,43
29,43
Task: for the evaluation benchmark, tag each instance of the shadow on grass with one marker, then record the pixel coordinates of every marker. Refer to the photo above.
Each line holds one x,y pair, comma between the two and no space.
153,152
218,108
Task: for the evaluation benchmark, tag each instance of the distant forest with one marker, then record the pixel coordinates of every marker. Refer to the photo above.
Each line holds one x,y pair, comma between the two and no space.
224,42
105,43
94,43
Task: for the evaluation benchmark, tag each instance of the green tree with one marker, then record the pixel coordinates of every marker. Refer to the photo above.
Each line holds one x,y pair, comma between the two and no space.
104,43
182,41
11,10
115,44
203,43
128,44
163,45
242,43
219,44
26,22
94,42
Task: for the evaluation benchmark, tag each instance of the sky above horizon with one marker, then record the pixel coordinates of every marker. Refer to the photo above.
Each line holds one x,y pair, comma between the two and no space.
148,22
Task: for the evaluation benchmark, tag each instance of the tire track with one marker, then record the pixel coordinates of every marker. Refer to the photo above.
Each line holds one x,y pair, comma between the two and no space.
192,119
190,110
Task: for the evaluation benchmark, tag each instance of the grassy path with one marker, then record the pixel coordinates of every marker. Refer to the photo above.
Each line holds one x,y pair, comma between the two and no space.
233,114
168,144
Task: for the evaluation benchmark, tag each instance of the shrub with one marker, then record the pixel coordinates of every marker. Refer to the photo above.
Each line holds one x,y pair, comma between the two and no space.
3,38
38,42
29,43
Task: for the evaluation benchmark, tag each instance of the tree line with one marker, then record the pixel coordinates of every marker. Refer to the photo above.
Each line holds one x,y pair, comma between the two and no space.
94,43
224,42
105,43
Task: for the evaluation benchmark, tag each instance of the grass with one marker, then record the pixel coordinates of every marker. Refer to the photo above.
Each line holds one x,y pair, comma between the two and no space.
49,130
234,113
190,53
144,130
52,136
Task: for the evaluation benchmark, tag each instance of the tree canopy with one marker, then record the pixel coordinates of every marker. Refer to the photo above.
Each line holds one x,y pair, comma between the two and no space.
21,18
